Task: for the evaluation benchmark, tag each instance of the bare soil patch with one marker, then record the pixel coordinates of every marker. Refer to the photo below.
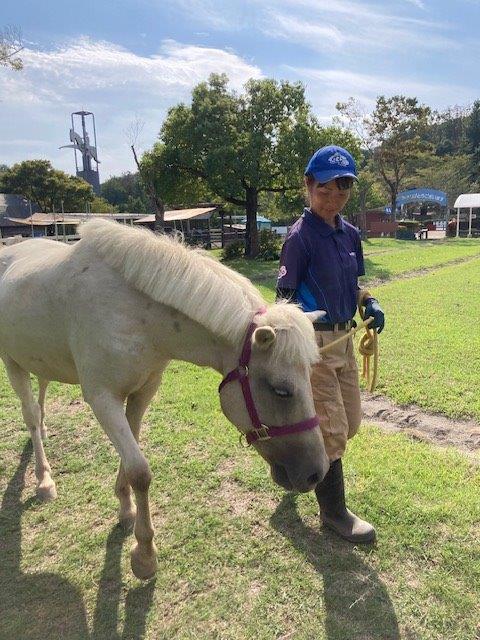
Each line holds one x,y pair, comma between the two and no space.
430,427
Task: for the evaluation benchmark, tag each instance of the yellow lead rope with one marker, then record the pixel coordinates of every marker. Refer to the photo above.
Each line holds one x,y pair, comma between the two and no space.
368,347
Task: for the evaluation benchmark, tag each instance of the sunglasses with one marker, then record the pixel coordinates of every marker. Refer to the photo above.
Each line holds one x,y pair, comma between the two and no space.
342,183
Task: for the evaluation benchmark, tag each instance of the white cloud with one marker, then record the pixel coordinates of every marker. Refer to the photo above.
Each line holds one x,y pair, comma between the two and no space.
114,83
326,87
352,25
292,28
318,24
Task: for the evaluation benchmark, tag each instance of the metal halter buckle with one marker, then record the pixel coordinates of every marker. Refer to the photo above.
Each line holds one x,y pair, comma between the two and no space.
242,370
263,433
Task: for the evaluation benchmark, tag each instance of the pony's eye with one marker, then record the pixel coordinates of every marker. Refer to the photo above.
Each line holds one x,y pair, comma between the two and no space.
283,393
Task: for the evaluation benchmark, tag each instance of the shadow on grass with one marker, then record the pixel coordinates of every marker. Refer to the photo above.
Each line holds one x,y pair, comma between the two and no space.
355,601
375,269
45,606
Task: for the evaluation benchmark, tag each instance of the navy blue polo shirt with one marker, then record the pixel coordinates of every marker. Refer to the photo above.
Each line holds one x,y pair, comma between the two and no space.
322,265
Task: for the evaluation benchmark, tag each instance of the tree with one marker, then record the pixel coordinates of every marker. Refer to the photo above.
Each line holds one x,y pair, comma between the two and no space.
10,47
236,147
448,131
473,136
39,182
146,176
393,136
100,205
126,193
365,195
448,173
285,206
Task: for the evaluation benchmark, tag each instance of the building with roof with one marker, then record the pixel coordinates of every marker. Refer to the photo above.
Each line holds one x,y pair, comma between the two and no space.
468,215
13,206
376,223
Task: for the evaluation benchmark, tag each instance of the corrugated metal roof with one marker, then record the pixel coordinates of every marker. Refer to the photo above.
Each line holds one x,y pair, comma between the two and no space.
199,213
46,219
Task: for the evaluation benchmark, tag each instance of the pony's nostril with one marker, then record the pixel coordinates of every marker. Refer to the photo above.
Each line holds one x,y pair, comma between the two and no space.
313,479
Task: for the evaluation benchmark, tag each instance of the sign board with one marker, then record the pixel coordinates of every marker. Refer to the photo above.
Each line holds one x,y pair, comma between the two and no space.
422,195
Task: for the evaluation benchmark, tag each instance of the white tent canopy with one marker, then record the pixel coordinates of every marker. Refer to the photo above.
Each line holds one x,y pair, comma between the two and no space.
466,201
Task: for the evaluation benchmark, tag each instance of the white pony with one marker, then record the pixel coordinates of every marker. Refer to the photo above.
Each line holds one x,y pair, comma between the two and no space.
111,311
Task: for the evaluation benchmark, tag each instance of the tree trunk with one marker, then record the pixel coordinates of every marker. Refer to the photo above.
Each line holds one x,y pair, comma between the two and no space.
251,232
393,202
155,201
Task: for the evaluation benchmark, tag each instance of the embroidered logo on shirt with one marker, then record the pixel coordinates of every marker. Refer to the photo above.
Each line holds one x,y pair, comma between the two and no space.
352,253
282,272
337,158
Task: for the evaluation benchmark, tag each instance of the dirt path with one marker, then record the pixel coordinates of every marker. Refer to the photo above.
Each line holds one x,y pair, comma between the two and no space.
430,427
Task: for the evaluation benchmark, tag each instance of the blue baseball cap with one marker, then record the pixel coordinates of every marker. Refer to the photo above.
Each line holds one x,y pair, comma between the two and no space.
331,162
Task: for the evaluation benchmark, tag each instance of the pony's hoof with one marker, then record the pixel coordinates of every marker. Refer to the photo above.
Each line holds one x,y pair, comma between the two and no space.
43,434
127,520
143,566
47,492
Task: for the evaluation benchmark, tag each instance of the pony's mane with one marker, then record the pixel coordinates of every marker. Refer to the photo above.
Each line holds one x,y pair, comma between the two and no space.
197,285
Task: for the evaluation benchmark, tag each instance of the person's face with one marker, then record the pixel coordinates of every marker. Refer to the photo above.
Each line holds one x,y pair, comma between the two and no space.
328,199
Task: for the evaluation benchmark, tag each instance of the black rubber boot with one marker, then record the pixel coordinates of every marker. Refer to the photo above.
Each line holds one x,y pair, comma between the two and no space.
333,511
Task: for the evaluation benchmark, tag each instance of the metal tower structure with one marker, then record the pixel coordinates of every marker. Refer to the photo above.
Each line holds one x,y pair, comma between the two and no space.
81,143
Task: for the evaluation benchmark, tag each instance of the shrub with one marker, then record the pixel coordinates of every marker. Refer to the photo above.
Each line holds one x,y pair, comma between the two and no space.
235,249
270,245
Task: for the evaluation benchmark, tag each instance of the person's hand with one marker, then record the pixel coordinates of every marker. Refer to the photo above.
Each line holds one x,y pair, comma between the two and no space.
374,310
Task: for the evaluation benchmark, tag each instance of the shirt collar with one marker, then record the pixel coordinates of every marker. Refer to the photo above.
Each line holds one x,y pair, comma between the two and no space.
320,226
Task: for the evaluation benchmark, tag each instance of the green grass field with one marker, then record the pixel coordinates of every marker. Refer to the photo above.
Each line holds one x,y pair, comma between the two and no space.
238,558
430,349
385,258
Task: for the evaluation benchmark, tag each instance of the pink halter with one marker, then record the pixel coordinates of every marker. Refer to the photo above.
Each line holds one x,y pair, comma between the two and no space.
240,373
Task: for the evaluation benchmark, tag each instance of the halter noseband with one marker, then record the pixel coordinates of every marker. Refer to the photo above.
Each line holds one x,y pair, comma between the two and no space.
260,431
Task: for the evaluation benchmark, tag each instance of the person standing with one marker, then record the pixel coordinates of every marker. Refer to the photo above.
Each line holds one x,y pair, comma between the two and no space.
320,263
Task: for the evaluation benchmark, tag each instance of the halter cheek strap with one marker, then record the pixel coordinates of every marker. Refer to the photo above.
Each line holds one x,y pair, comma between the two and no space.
241,373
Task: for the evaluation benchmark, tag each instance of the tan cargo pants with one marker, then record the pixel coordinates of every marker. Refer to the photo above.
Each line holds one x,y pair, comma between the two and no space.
336,393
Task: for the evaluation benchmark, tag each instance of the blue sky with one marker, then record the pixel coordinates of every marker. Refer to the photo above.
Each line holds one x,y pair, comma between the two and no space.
133,59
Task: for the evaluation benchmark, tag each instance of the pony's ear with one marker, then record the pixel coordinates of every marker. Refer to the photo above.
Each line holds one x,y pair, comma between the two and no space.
264,337
315,315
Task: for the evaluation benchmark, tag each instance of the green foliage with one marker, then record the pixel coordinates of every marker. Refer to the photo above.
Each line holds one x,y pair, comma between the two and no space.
451,174
39,182
448,132
270,245
126,193
393,135
473,133
100,205
366,194
239,146
233,250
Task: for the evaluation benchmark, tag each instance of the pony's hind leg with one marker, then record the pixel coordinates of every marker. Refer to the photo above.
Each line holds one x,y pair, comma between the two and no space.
137,404
32,415
42,392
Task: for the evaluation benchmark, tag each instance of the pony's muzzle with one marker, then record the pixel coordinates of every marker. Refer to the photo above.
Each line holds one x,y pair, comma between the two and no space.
301,480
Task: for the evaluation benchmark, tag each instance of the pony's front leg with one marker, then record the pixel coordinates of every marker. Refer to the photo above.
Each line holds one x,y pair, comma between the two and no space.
137,404
42,392
109,411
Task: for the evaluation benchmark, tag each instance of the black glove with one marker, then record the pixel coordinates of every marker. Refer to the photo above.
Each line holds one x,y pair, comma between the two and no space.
374,310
